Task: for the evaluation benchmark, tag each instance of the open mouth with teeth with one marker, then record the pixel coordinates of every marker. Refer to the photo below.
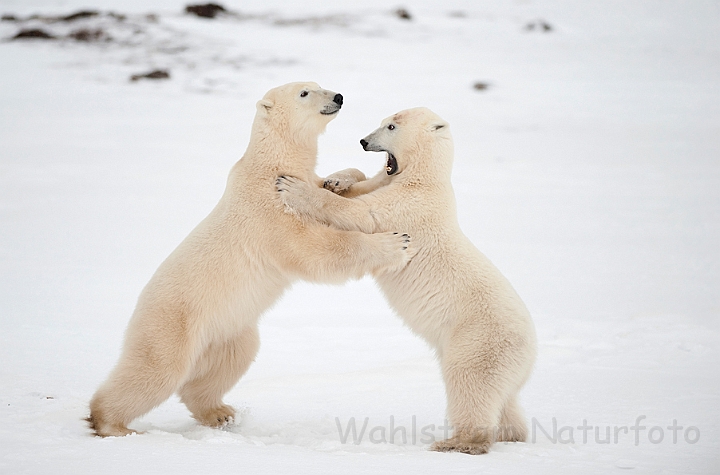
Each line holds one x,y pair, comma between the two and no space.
391,166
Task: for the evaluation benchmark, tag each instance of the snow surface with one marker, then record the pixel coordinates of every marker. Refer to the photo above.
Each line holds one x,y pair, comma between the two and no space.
588,171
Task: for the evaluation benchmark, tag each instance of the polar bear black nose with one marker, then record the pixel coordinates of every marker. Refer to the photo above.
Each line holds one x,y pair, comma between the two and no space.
338,99
364,143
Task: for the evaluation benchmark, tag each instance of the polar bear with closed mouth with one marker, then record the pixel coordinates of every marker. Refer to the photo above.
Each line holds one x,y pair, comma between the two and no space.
449,293
194,329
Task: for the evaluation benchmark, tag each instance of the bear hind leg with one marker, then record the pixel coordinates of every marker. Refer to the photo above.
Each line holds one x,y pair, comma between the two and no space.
474,409
215,373
513,427
481,389
133,389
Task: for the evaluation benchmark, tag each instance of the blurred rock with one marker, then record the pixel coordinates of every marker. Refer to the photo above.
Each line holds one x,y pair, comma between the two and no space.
403,14
117,16
539,25
208,10
88,35
79,15
33,33
157,74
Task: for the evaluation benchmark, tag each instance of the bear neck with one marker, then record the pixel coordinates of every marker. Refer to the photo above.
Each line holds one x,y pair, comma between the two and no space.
274,153
430,162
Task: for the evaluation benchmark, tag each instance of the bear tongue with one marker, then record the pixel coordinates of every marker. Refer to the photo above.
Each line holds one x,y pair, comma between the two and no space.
391,166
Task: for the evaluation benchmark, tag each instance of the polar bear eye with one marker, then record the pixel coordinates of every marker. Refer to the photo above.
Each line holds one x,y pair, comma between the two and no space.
303,94
391,127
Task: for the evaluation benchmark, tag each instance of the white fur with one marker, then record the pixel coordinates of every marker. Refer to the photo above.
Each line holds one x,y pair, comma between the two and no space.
194,330
450,293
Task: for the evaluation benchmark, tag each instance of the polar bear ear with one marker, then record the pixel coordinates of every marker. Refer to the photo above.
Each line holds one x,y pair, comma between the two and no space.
264,105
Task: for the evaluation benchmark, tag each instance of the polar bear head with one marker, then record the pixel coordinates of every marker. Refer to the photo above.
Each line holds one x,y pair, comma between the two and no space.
298,110
415,140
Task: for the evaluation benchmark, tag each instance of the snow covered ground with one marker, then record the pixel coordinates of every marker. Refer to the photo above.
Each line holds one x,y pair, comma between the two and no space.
588,170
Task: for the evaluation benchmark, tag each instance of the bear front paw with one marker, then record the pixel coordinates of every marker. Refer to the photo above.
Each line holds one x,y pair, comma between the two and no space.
294,194
397,249
340,181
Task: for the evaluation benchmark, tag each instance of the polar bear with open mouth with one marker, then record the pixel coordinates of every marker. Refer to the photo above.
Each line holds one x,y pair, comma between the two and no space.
449,293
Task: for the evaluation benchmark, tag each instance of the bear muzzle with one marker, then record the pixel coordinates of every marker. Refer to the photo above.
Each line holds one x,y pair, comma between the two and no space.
391,165
333,107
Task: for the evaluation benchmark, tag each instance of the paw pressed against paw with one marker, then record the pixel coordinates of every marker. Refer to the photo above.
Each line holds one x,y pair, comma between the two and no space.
295,194
340,181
